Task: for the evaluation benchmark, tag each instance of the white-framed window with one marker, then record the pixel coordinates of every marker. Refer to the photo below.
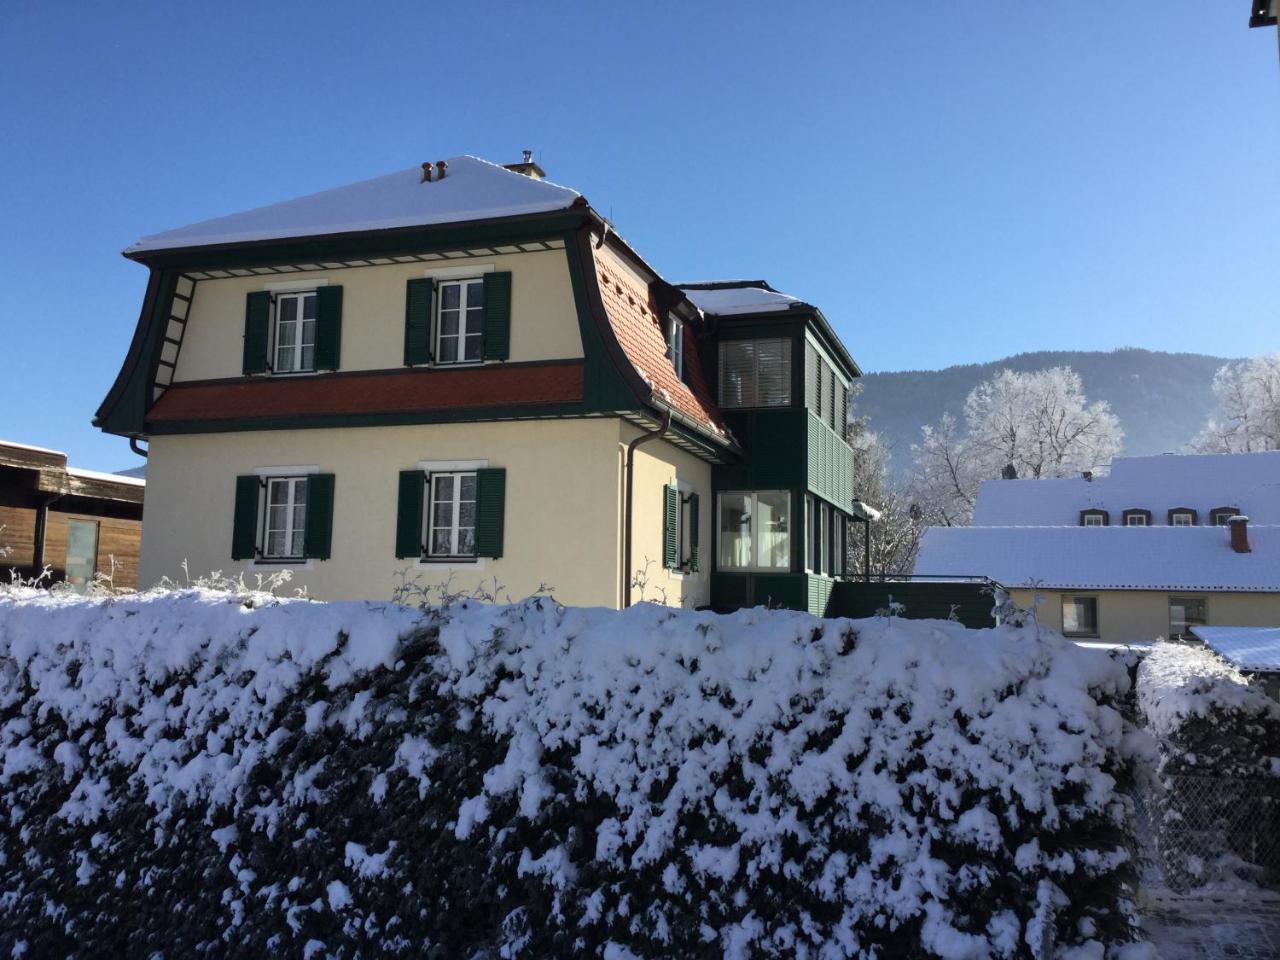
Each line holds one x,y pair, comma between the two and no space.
451,515
1135,520
1182,518
293,332
459,321
284,518
1093,520
755,530
755,373
675,344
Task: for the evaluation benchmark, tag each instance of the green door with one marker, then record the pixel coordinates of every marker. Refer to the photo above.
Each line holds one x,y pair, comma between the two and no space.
82,553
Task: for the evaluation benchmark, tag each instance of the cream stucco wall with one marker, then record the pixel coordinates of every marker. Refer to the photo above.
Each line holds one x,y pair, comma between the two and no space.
657,464
1126,616
562,521
544,324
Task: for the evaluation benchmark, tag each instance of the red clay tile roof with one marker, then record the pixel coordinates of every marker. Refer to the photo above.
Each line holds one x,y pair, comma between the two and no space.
638,325
381,391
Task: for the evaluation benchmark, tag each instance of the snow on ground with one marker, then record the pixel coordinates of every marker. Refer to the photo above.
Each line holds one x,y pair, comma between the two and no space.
547,780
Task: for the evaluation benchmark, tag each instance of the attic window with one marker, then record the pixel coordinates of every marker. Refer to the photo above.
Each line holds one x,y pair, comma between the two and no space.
1182,517
1095,518
675,344
1220,516
1137,518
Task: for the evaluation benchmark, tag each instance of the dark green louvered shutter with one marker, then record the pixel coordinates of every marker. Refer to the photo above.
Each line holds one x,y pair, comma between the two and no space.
257,328
693,532
417,322
317,535
328,327
491,496
413,485
497,316
670,527
244,536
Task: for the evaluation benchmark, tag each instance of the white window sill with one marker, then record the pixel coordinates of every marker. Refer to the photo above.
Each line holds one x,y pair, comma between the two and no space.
476,564
282,565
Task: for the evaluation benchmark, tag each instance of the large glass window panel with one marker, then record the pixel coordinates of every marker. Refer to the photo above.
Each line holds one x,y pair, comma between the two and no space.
774,530
735,531
1080,616
1184,614
285,518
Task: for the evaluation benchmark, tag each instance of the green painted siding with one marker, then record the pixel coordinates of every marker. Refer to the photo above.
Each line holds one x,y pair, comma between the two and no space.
921,600
791,591
819,594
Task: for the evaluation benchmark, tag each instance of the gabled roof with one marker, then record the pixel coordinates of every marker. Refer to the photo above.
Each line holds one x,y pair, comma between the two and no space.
1248,481
473,189
1105,558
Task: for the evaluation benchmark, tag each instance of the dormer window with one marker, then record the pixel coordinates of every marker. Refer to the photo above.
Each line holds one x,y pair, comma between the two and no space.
755,373
294,333
675,344
1137,517
1094,518
1182,517
1221,516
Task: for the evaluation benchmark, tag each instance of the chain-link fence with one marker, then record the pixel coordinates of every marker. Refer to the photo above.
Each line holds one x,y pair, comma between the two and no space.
1208,828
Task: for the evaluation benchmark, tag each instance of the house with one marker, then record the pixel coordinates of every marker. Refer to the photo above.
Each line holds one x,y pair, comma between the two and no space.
78,523
1263,13
462,372
1155,548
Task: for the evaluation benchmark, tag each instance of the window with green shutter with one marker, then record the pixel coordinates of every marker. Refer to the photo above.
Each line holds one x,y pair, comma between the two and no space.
317,536
257,331
497,316
328,327
409,514
417,321
670,527
692,501
244,537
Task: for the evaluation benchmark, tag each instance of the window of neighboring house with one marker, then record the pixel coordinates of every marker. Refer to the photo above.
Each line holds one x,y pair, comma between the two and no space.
1185,613
755,530
82,553
451,515
460,321
1080,616
675,344
1093,518
294,333
755,373
1137,518
1182,518
1221,516
284,518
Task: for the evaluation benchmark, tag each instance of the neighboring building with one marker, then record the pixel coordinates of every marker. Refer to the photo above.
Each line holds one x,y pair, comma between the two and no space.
1255,651
1155,548
79,523
463,370
1263,13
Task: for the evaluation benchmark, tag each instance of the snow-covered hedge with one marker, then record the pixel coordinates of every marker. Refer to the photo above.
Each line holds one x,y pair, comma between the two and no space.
199,774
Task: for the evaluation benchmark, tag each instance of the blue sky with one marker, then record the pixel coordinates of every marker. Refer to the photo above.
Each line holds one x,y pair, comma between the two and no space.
950,182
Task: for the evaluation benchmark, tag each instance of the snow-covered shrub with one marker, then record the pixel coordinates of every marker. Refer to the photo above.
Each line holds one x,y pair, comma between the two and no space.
193,773
1218,765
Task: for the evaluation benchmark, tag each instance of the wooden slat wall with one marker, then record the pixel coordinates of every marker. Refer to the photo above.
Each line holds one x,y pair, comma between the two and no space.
119,538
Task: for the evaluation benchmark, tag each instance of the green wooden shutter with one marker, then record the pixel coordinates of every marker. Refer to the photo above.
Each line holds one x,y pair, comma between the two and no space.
417,321
497,316
491,495
670,527
693,532
244,536
328,327
413,487
317,536
257,329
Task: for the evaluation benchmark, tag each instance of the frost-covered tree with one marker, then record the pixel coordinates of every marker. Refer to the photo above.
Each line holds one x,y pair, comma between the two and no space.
1248,416
1039,424
895,537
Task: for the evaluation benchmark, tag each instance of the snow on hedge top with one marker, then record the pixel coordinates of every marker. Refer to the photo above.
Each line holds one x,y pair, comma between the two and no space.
473,189
1250,482
1249,648
1105,558
750,296
1177,682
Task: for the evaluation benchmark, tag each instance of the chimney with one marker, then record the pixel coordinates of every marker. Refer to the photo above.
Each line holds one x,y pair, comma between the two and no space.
1088,476
426,172
1239,534
526,166
441,167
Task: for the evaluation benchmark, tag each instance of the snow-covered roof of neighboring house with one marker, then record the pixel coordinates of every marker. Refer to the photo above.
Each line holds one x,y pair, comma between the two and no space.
472,189
1249,648
1249,481
1105,558
109,477
726,298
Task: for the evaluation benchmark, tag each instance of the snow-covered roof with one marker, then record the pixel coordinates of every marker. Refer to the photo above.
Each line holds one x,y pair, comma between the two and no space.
1105,558
726,298
1249,648
473,189
1248,481
111,477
